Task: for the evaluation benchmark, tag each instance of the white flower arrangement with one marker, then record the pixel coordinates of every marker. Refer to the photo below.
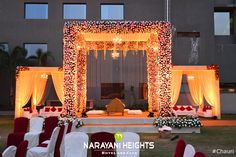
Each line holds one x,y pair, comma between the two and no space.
178,122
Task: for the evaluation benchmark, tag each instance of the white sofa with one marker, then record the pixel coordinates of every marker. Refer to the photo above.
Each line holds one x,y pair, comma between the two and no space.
206,111
29,113
49,111
182,110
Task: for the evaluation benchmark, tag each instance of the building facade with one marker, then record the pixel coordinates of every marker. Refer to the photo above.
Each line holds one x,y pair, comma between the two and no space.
195,25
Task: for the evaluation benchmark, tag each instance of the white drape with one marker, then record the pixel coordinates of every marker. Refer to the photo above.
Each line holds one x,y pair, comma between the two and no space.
210,87
58,82
195,87
24,89
40,81
176,82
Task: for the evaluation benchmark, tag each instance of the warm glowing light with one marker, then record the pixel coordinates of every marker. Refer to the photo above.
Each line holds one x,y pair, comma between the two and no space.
191,77
44,76
115,55
117,40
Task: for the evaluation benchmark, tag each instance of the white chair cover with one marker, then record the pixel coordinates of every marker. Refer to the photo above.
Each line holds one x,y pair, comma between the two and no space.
74,144
45,151
126,152
189,151
36,127
62,146
9,152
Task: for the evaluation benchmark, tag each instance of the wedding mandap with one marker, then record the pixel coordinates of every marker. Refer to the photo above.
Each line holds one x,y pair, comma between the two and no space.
163,78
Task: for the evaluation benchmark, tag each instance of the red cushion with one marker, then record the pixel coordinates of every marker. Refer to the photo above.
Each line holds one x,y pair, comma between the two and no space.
21,124
59,109
50,124
102,137
53,109
44,136
22,149
199,154
182,108
175,108
15,138
189,108
47,109
26,109
43,145
179,150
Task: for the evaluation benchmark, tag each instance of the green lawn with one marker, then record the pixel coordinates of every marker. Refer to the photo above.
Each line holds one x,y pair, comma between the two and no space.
209,139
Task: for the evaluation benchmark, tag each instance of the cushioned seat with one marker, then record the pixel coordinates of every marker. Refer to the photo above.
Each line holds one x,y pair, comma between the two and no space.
50,124
102,137
116,105
22,149
179,150
20,128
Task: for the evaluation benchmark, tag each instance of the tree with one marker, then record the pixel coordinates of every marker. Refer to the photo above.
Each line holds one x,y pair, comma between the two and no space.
42,57
8,63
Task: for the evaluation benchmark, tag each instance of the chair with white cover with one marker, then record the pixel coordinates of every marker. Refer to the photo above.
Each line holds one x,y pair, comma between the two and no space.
45,151
127,152
74,144
36,127
9,151
189,151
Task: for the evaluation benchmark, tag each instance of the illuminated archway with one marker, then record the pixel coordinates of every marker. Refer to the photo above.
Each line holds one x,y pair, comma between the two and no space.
80,37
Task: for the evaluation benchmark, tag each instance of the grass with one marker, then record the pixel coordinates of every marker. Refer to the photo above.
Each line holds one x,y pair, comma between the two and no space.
210,138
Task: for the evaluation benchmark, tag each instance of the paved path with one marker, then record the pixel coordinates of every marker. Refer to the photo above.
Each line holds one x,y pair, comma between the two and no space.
218,122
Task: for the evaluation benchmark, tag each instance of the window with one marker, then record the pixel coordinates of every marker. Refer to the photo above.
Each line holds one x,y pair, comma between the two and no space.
33,48
36,11
223,23
4,47
112,12
112,90
74,11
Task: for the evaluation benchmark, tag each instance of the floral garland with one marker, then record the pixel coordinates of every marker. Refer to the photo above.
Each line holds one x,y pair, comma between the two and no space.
67,119
159,62
178,122
216,68
19,69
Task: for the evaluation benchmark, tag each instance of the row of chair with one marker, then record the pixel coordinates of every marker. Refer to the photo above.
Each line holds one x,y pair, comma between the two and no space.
40,129
183,150
13,151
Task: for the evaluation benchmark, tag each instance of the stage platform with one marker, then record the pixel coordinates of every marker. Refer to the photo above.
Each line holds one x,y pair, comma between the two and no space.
127,123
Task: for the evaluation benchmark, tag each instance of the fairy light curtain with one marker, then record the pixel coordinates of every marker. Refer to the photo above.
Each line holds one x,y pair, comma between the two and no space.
80,37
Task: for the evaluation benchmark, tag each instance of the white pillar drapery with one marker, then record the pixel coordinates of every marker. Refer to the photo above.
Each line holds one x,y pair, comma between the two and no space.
58,82
24,89
195,87
40,81
176,82
210,87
